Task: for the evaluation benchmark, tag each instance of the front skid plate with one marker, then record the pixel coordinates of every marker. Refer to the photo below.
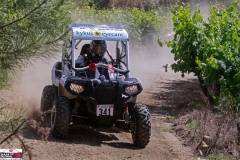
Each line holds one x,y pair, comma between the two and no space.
81,120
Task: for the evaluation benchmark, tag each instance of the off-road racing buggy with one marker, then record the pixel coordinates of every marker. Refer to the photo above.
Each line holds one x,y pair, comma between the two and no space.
99,101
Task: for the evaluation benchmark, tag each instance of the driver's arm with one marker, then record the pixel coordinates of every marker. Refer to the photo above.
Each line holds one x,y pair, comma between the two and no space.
80,61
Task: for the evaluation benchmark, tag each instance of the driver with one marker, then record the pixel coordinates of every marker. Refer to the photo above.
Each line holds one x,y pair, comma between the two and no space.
94,53
98,49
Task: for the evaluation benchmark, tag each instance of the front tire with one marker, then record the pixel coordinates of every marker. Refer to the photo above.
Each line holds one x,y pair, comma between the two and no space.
141,128
60,118
47,103
47,99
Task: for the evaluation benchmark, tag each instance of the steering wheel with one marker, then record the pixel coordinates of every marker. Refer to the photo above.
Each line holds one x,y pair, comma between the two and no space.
93,66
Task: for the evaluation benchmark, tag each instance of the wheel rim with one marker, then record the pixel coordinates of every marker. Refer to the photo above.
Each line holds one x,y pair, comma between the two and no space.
53,116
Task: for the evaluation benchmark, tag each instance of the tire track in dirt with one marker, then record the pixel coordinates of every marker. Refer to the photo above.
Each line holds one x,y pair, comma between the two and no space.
163,137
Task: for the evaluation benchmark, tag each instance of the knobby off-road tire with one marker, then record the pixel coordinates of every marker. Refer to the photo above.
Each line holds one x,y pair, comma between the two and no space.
47,103
47,99
141,130
60,121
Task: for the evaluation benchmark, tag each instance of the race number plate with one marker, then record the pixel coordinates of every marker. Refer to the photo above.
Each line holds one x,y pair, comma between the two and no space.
105,110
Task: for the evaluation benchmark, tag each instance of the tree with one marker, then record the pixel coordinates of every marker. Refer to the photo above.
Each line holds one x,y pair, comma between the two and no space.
28,26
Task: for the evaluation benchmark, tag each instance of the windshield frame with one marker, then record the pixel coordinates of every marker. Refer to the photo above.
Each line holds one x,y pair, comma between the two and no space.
76,42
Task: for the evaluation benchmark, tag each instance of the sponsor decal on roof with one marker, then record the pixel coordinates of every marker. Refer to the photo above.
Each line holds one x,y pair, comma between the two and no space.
91,33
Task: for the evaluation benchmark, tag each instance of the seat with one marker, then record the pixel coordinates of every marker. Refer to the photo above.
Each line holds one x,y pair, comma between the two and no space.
85,49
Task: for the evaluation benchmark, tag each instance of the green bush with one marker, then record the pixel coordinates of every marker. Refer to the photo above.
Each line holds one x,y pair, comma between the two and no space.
211,50
138,22
143,4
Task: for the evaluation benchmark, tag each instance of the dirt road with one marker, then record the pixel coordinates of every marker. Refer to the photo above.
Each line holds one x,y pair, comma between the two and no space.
115,144
90,144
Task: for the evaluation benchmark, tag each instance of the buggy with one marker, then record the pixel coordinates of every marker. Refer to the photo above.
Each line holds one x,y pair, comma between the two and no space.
100,101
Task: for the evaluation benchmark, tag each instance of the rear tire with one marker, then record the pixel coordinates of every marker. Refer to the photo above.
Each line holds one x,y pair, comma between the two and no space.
60,118
141,128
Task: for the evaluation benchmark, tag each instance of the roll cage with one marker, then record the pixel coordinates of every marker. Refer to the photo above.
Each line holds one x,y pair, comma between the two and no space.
88,32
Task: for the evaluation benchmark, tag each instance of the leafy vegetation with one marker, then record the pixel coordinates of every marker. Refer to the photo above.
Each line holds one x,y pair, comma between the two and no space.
27,26
137,21
210,49
142,4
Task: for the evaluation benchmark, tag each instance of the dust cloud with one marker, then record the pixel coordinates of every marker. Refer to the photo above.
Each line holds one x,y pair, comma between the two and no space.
145,63
30,81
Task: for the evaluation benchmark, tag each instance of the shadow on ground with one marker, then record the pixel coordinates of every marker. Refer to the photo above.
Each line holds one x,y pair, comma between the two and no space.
171,97
175,97
85,135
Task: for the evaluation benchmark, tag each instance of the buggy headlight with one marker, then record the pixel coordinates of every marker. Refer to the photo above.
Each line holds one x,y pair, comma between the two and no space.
131,90
76,88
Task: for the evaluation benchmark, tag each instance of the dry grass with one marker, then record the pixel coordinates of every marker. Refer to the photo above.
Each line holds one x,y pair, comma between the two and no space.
10,116
210,133
14,120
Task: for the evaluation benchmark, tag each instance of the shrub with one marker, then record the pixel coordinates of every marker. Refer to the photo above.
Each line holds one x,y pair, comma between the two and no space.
211,50
138,22
27,26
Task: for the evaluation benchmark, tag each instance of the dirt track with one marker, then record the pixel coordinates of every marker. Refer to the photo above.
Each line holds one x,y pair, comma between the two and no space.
114,144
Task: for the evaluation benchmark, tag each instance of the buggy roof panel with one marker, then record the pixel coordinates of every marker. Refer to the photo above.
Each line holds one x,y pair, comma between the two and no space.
98,32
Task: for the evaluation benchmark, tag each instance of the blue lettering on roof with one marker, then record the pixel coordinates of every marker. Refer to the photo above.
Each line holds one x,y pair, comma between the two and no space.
99,32
84,33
